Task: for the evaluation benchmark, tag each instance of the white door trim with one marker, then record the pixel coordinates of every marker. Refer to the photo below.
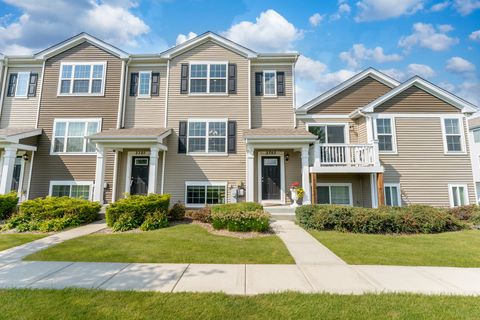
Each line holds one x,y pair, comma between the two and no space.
130,155
280,154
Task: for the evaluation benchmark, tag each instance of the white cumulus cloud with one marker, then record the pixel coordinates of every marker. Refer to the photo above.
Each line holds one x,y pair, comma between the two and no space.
413,69
316,19
359,52
465,7
427,36
181,38
270,32
370,10
440,6
343,9
460,65
475,35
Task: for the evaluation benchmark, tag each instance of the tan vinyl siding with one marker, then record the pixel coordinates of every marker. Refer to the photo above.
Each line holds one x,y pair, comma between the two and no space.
184,167
272,111
421,167
361,191
358,95
70,167
146,112
415,99
361,126
352,129
20,111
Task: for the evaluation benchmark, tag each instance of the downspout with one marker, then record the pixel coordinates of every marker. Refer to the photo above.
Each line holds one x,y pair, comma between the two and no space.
124,96
249,96
40,95
469,145
121,95
163,171
4,84
166,101
294,100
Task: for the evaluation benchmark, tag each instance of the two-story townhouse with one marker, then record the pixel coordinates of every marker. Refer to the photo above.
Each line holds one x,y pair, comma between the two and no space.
385,142
474,127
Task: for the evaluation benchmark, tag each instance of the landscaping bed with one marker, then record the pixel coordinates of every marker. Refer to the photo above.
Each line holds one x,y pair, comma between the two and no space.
96,304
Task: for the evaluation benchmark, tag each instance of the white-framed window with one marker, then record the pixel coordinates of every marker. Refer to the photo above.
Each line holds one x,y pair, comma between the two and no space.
70,135
453,138
23,80
476,135
270,82
207,136
385,131
208,77
334,193
329,133
82,78
202,193
393,196
72,189
458,195
144,83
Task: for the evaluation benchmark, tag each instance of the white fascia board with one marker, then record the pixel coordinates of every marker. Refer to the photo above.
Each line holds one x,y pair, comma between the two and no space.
436,91
172,52
76,40
370,72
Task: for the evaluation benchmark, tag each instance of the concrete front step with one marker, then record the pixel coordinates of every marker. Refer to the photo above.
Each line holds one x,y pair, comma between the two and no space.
281,212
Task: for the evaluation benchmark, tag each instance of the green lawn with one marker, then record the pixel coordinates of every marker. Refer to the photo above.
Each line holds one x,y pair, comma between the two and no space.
13,240
453,249
184,243
92,304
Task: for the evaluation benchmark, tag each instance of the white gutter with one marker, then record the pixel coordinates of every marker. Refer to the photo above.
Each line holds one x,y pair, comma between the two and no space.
125,96
4,84
249,95
40,95
166,96
120,96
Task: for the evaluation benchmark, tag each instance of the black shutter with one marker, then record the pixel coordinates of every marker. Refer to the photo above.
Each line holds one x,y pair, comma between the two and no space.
155,83
232,136
184,79
32,85
232,78
182,137
133,84
259,83
12,83
280,83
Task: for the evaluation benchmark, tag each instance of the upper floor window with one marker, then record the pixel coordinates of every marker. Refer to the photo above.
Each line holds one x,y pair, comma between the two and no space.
70,135
144,83
82,78
329,133
458,195
270,83
207,136
453,137
385,134
476,135
208,77
22,84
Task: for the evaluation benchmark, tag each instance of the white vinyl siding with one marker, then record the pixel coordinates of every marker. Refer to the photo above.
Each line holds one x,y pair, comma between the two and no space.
392,195
73,189
476,135
334,193
207,136
82,78
70,136
202,193
458,195
208,77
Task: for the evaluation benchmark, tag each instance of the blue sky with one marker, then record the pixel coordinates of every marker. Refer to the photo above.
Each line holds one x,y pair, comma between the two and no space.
436,39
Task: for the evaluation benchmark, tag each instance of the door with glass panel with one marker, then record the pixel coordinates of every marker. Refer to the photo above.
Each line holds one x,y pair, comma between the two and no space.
139,179
334,194
17,175
333,135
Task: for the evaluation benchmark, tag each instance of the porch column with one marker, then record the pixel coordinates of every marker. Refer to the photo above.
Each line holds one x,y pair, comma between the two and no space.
153,170
99,175
250,154
373,189
380,189
314,187
7,170
306,175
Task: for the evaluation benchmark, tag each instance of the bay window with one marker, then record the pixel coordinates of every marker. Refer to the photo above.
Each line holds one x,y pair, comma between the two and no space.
70,135
81,78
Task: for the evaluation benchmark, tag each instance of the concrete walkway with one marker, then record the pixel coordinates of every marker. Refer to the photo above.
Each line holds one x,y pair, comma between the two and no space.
303,247
18,253
317,269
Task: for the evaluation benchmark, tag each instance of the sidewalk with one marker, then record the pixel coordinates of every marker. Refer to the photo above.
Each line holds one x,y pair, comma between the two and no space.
317,269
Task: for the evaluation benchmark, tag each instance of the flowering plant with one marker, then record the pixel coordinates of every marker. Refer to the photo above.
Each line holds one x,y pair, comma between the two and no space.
295,185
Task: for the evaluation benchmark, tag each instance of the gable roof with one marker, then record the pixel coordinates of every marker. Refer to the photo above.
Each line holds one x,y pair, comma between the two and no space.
208,36
76,40
450,98
370,72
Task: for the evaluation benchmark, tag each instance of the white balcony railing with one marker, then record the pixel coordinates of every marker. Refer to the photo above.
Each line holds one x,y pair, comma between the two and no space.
345,155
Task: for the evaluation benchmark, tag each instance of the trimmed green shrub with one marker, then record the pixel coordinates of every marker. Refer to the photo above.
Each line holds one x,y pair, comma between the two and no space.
241,216
203,214
53,214
410,219
465,212
135,209
8,205
176,212
155,221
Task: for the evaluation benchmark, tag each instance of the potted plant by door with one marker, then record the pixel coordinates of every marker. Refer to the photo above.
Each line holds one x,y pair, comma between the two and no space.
296,192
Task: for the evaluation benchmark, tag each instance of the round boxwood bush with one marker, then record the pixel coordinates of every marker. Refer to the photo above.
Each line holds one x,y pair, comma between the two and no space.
177,212
155,221
8,205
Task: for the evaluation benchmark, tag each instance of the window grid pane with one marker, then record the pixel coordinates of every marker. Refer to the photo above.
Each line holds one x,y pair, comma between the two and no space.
270,83
82,78
22,84
60,191
144,88
80,191
196,194
72,136
215,194
340,195
323,195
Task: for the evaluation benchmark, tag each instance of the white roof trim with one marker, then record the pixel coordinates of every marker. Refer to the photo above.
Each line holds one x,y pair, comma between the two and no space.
438,92
172,52
76,40
370,72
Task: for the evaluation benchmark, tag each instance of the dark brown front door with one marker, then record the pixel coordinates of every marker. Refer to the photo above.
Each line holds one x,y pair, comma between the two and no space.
271,180
139,181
